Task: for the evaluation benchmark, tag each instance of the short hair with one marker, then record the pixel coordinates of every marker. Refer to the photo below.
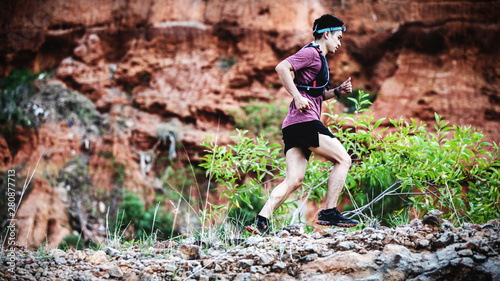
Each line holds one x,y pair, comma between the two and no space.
325,21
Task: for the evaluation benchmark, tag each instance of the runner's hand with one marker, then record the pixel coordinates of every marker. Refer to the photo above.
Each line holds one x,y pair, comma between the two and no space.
346,87
302,103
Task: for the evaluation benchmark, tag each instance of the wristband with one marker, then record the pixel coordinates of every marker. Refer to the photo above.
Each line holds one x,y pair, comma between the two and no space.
336,92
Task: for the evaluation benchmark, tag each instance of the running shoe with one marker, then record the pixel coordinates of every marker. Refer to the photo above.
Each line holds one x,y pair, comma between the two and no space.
335,218
259,225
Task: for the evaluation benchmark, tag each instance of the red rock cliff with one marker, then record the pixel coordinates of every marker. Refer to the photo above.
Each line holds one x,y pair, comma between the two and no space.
185,67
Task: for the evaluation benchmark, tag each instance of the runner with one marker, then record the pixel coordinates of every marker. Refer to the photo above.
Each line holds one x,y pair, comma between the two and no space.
302,129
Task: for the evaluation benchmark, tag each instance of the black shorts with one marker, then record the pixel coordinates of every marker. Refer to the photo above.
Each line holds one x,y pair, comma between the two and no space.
304,135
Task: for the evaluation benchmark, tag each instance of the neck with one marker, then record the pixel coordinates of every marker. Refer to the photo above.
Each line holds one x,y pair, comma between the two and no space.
322,46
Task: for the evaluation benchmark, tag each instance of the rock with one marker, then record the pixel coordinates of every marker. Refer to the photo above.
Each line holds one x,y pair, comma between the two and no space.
423,243
375,277
254,240
433,217
311,257
398,255
310,248
488,225
345,246
218,268
267,258
60,260
490,267
377,236
244,263
259,269
317,235
368,230
145,277
112,252
446,225
98,257
131,277
115,271
445,255
468,262
190,252
280,265
479,258
473,244
465,235
38,220
243,277
5,153
465,253
358,265
333,232
416,223
282,234
445,239
294,230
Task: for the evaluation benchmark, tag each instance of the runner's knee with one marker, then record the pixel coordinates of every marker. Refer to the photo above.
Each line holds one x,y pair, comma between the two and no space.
344,159
295,182
347,160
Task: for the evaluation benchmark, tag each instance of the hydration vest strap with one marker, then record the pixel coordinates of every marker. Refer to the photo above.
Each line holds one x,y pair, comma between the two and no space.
312,88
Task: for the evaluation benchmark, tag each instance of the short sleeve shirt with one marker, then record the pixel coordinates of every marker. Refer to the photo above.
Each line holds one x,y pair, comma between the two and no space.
306,64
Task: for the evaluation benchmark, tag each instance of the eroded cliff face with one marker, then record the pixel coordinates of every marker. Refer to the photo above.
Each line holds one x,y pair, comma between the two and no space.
184,68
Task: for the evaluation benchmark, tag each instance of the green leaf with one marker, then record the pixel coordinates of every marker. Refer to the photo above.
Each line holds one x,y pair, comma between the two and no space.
437,117
375,126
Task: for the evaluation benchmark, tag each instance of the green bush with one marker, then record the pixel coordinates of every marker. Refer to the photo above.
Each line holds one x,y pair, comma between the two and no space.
408,168
430,169
72,241
225,63
241,213
16,89
262,118
348,100
145,222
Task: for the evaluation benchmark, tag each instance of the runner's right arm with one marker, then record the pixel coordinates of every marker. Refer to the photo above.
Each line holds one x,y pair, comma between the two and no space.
284,70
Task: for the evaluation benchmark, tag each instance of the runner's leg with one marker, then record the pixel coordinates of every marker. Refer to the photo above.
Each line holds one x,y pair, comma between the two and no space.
334,151
296,164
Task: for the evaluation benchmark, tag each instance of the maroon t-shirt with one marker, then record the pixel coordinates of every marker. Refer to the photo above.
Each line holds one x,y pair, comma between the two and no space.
307,64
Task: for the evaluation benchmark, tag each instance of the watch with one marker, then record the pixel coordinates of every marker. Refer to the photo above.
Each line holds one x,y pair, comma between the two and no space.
336,92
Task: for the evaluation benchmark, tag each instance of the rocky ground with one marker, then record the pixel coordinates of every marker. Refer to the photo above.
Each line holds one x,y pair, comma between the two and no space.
416,251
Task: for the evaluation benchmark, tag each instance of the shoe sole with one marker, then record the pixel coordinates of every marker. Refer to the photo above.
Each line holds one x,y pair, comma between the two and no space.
256,232
333,224
251,230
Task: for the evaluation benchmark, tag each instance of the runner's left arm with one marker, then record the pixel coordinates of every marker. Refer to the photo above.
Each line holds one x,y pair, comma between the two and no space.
344,89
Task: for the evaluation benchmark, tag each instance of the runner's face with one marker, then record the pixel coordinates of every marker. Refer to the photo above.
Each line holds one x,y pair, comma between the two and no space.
334,41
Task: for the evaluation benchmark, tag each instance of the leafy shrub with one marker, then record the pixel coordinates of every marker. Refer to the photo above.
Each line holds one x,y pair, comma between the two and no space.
16,88
429,170
225,63
228,164
69,105
17,78
72,241
347,100
242,213
145,222
262,118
